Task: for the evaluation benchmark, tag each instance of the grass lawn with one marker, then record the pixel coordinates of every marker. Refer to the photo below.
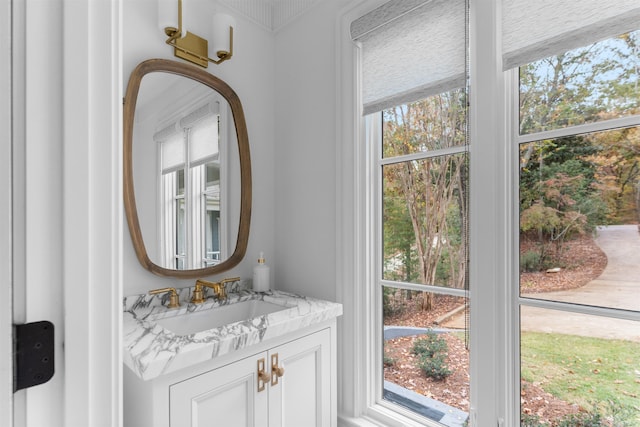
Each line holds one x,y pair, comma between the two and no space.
584,371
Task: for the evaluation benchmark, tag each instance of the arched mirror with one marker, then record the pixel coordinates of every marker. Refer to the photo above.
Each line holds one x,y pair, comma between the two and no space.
187,170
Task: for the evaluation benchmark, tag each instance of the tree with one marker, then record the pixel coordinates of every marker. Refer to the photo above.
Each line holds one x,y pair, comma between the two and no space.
581,86
618,173
570,185
430,189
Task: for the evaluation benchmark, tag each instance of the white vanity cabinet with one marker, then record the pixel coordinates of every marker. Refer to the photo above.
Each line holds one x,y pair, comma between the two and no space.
234,395
226,392
303,394
226,396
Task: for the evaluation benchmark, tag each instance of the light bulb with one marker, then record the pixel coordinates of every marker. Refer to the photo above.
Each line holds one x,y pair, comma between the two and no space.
220,34
168,15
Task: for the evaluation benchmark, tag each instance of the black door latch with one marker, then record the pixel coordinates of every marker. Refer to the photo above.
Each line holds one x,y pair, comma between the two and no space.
33,349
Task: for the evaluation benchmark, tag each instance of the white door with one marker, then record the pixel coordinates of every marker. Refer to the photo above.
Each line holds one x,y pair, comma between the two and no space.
59,243
33,187
227,397
302,396
6,376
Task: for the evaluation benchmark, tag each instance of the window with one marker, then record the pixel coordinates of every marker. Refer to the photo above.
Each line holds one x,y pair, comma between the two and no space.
557,141
190,188
579,208
416,110
423,164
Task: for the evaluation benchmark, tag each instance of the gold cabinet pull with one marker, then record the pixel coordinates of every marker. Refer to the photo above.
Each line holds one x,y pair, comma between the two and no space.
276,371
173,296
263,377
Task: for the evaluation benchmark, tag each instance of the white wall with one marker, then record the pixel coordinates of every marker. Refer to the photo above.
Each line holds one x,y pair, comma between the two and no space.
305,152
251,73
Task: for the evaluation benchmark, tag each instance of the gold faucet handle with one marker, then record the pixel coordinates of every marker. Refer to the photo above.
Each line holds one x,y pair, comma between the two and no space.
220,291
223,293
198,291
198,295
230,280
174,301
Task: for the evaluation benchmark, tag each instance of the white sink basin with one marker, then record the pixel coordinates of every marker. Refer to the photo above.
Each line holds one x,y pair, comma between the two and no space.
190,323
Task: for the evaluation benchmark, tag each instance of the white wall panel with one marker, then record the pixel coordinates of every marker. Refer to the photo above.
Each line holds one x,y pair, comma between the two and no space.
306,152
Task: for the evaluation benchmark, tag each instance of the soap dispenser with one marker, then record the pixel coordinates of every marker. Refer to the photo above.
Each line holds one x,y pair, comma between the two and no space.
261,275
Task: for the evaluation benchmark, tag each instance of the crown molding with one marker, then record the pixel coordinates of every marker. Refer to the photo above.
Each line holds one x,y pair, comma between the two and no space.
270,14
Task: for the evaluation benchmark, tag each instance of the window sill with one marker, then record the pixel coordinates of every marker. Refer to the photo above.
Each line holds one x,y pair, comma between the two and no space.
381,416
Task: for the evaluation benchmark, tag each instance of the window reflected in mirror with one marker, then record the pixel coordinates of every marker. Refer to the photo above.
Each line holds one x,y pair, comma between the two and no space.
189,177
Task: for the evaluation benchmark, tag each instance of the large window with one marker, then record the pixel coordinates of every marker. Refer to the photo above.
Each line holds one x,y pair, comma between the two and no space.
544,195
423,166
416,110
579,209
540,199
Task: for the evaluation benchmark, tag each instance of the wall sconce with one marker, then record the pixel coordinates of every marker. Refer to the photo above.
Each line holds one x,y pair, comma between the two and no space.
191,47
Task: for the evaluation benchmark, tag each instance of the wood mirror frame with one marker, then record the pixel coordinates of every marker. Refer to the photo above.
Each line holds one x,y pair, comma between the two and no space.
200,75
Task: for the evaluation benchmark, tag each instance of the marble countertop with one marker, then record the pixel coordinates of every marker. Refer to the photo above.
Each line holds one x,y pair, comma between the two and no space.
150,350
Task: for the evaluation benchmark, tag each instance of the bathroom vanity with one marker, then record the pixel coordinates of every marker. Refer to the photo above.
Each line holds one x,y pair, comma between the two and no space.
240,358
268,359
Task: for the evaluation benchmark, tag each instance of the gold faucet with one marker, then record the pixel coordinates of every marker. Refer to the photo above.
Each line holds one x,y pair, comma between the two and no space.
219,290
174,302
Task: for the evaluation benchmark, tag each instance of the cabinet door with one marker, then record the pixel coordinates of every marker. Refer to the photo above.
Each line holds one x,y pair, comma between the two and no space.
302,397
225,397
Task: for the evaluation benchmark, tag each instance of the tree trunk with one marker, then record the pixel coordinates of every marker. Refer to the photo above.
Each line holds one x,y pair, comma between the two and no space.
427,301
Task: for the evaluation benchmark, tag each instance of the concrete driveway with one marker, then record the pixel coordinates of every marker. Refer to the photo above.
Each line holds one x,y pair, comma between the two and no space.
617,287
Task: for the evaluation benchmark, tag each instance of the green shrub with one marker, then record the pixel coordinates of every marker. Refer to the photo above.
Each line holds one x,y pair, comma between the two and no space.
432,350
388,360
431,344
530,261
435,367
391,307
531,420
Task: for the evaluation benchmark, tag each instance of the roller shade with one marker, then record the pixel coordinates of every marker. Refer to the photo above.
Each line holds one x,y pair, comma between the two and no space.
172,148
202,124
209,109
533,30
203,141
411,49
